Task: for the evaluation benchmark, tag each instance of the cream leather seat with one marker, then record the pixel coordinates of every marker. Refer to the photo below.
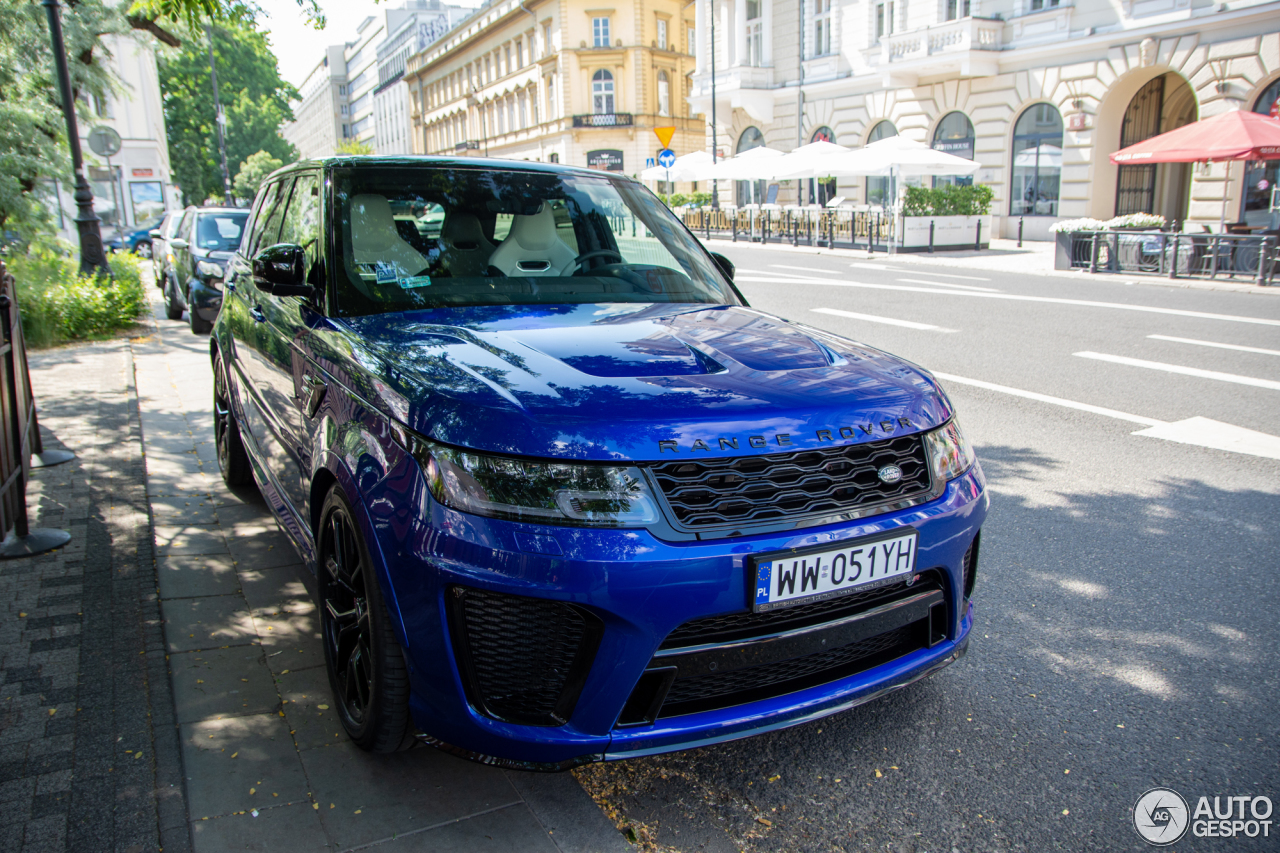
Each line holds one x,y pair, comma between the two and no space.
375,240
533,248
464,250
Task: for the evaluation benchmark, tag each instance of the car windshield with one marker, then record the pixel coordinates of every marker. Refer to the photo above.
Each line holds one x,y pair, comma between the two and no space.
435,237
220,232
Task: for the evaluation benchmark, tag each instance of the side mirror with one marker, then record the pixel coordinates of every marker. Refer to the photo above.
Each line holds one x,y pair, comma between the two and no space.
155,234
726,266
281,270
178,243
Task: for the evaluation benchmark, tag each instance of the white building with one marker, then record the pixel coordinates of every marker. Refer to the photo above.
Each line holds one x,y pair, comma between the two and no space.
1039,91
320,117
410,29
135,186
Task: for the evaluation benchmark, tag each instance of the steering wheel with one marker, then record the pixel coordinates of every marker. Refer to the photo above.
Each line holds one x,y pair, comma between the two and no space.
598,253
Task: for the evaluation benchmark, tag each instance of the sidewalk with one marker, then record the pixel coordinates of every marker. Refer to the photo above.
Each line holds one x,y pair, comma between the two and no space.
199,718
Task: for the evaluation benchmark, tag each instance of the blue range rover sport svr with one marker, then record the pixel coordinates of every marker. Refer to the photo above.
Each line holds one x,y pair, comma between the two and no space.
564,496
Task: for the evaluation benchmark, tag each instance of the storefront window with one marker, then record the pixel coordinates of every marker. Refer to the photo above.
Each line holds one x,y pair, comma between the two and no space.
822,191
1261,176
1037,162
954,136
878,188
750,192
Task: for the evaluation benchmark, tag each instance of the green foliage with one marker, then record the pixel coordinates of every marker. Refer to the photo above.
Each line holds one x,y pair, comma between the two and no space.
949,200
32,129
354,147
698,199
253,172
254,97
58,304
194,13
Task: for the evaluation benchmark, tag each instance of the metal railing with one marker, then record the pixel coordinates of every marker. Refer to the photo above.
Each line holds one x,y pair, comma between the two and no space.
603,120
1211,256
840,228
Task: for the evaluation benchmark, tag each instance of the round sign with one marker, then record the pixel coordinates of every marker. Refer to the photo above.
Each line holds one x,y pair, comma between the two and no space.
666,158
104,141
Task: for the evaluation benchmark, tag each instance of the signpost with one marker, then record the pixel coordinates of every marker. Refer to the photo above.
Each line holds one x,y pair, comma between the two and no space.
666,157
105,142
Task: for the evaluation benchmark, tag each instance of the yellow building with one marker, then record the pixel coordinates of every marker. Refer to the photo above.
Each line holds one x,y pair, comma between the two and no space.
581,83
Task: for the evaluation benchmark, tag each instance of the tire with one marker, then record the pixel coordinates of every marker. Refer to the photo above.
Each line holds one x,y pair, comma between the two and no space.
366,666
144,249
198,326
172,307
233,461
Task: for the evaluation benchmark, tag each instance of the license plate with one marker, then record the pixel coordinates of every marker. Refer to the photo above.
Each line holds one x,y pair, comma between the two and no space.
800,577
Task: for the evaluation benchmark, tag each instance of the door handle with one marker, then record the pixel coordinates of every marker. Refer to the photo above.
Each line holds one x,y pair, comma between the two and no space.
314,389
257,314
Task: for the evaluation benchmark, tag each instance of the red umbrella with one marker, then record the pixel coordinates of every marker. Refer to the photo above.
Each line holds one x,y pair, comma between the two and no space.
1235,135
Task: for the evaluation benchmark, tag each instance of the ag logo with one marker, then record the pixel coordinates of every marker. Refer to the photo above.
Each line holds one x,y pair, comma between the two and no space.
1161,816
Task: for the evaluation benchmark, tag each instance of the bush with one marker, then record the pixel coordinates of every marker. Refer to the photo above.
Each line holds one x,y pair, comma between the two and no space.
699,199
1131,221
949,200
58,304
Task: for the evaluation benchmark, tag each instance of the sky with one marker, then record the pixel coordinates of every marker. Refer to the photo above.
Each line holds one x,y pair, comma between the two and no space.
299,46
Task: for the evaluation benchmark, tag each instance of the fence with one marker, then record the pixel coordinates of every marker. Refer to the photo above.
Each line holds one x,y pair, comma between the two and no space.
841,228
1234,256
19,436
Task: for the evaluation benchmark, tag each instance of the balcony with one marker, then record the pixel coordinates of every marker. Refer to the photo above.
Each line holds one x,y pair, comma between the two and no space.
1041,26
603,120
746,87
966,47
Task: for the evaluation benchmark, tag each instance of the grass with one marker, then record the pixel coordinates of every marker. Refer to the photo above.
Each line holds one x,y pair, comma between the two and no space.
59,305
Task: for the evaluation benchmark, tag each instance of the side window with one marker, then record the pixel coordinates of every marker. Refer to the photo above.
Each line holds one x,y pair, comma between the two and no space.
301,225
184,229
266,228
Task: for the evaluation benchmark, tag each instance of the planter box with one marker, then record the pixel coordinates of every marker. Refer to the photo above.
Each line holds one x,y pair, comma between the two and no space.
949,232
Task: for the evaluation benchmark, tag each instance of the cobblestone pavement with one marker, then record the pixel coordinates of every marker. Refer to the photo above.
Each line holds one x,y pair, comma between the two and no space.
86,735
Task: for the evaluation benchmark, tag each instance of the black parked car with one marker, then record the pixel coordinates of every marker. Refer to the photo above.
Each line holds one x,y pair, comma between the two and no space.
205,240
161,254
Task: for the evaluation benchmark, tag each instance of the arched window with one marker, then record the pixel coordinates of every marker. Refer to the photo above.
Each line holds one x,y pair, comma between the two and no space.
1260,176
602,92
664,94
954,135
878,188
750,192
1037,161
822,191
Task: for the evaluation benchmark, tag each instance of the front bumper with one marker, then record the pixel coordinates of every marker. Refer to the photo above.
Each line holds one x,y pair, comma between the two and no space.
204,301
640,588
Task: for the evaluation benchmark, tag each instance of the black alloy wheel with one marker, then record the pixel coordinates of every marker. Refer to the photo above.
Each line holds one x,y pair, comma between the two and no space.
233,461
198,326
172,302
144,250
366,666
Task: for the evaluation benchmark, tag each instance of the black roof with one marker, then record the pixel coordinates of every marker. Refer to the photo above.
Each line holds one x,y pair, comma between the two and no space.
370,161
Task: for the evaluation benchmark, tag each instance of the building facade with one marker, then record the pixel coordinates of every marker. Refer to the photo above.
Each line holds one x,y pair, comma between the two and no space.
568,82
1040,92
320,117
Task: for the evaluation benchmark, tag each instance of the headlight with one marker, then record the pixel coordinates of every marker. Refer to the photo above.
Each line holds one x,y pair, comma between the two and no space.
949,453
208,269
540,492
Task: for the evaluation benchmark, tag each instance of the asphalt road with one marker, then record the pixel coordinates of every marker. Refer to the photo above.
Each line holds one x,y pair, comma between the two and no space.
1127,598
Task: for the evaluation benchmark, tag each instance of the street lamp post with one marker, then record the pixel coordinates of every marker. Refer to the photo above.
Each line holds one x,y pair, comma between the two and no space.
715,184
220,121
92,258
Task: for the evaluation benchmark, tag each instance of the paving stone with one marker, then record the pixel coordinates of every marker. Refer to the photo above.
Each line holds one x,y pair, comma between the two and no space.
230,682
305,691
265,760
268,590
262,548
172,510
510,829
283,829
189,539
192,575
294,643
398,793
208,622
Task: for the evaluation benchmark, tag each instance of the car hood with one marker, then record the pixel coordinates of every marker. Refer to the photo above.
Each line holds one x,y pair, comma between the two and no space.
635,382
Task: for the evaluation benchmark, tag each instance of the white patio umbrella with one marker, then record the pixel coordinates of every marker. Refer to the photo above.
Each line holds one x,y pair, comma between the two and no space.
688,167
898,155
754,164
807,161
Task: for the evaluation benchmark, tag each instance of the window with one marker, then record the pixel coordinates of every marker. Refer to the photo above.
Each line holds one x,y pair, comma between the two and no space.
342,88
266,225
1260,176
750,192
552,110
511,112
524,111
662,34
954,135
506,55
301,226
822,27
664,94
1037,5
822,190
600,32
520,54
602,91
546,39
554,157
692,34
957,9
346,131
1037,162
488,70
884,20
360,103
878,189
344,109
755,34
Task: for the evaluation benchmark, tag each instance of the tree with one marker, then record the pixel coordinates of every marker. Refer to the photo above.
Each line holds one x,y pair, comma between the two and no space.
253,172
354,146
254,98
194,13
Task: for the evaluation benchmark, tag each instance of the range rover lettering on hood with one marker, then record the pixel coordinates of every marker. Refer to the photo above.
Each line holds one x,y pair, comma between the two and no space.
784,439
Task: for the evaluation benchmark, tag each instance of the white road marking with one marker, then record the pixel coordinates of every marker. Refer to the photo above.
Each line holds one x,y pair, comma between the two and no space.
949,284
888,321
919,271
805,269
1269,384
1201,432
1236,347
1051,300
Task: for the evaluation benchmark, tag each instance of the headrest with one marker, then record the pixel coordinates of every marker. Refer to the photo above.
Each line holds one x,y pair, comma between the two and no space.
534,232
373,228
463,231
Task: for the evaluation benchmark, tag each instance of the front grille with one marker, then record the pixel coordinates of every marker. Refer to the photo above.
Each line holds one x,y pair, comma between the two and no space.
524,659
969,566
746,490
707,692
745,624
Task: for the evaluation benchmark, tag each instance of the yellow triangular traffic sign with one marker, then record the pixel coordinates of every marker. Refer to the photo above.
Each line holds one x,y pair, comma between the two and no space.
664,135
